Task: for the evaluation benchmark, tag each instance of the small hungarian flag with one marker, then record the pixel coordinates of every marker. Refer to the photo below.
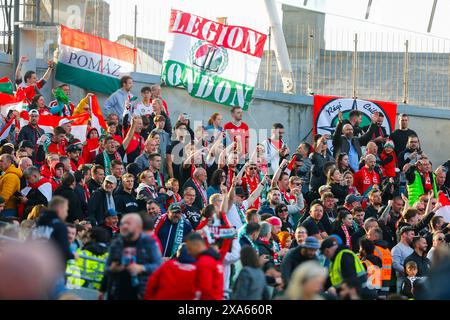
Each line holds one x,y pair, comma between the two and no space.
288,169
8,100
97,120
4,133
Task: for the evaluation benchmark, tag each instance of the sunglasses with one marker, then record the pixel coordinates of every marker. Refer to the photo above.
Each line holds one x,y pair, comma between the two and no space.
440,239
252,168
284,210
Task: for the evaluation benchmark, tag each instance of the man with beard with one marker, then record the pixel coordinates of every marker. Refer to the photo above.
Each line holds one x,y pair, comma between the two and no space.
133,257
355,119
110,224
366,178
274,199
31,131
374,204
74,152
296,256
171,229
344,140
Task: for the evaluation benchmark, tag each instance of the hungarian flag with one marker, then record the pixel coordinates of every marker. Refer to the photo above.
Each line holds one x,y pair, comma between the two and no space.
97,120
288,169
8,100
4,133
92,63
213,61
48,122
444,211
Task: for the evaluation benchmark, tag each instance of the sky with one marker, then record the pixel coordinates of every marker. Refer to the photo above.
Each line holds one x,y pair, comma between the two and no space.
387,18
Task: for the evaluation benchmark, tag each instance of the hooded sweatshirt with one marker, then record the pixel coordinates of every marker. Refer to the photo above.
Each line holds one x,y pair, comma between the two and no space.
56,182
9,184
209,277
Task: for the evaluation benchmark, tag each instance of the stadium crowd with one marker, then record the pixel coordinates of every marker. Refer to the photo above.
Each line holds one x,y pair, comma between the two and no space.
153,208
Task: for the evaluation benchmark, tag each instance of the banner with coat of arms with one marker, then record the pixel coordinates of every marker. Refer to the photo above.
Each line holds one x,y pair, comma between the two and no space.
326,110
213,61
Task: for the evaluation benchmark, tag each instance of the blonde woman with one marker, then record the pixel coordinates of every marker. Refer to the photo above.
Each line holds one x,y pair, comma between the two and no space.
307,282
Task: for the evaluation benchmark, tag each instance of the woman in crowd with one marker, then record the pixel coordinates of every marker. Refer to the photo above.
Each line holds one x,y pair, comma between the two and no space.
337,184
342,163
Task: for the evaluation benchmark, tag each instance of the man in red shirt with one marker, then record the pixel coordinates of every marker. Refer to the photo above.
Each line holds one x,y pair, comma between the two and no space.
30,85
237,129
366,178
53,143
209,277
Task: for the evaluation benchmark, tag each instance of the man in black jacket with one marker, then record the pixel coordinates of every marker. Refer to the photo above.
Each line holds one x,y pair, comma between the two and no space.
296,256
419,256
102,200
197,182
51,225
31,132
344,140
98,176
66,190
125,197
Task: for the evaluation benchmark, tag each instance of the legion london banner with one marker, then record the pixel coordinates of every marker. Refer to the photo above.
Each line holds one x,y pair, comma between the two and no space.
213,61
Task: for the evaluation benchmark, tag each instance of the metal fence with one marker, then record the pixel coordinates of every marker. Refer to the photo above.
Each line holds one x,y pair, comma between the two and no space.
404,68
394,65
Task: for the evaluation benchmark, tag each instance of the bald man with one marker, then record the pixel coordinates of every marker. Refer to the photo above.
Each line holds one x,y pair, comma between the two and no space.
345,142
133,257
198,182
366,178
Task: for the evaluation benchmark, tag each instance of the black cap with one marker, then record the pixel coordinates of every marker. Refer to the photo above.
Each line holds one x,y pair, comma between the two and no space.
26,144
405,229
328,243
73,148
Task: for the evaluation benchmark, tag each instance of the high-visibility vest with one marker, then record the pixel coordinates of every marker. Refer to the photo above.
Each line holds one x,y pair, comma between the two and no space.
336,271
416,189
373,274
87,270
386,261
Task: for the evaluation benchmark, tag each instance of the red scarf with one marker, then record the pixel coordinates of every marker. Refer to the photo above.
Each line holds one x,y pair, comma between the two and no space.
348,241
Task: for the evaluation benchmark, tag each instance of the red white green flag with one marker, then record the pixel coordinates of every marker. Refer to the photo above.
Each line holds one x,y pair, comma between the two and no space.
213,61
92,63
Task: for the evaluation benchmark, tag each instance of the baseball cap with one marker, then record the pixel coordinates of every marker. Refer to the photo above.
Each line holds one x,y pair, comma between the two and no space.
73,147
26,144
174,207
111,178
274,221
33,112
328,243
111,213
311,243
64,121
352,198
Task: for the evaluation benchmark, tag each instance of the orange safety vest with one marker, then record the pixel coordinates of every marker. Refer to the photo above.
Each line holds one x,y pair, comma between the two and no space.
386,262
373,275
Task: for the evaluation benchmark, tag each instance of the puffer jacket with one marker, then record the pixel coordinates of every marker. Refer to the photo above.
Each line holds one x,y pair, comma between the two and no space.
9,184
